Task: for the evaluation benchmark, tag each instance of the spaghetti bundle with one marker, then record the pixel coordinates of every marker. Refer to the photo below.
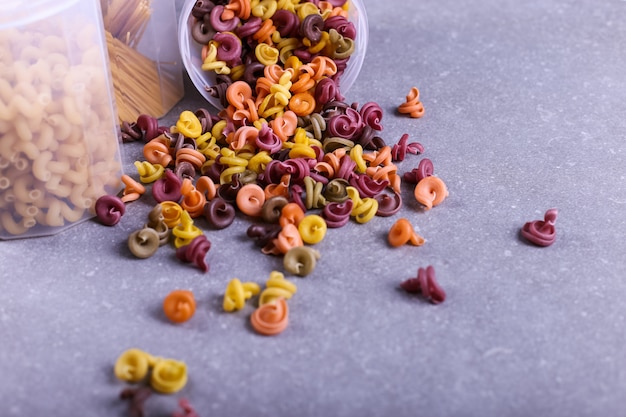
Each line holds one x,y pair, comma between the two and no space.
141,85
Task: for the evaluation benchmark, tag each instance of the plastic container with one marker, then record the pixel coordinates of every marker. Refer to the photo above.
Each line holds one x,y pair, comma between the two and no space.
143,53
191,51
59,140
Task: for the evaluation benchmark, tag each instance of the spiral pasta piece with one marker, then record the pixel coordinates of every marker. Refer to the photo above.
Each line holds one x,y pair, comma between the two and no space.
237,293
277,287
430,191
412,106
402,233
272,318
168,376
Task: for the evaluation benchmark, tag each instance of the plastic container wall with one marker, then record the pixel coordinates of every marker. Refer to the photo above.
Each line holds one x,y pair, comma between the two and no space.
59,140
191,51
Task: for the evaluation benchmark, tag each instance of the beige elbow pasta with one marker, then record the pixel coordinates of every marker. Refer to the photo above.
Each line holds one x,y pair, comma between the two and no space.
59,149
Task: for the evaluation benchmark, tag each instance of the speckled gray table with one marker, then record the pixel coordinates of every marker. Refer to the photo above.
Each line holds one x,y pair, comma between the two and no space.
525,110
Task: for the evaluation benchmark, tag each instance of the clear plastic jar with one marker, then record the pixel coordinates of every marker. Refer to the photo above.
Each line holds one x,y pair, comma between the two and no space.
59,140
191,51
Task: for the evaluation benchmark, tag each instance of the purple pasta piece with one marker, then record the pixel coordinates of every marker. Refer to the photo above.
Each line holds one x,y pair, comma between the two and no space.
131,132
541,232
297,168
222,25
229,191
212,171
188,410
319,177
218,90
326,91
425,283
337,214
346,125
201,30
369,139
201,8
286,23
249,28
424,169
206,120
229,48
195,252
268,140
296,196
367,186
184,170
219,213
167,188
399,150
312,27
303,54
109,209
346,168
137,398
253,72
372,115
150,127
263,233
387,205
342,25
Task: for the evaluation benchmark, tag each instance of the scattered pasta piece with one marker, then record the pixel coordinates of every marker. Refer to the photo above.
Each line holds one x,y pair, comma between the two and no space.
541,232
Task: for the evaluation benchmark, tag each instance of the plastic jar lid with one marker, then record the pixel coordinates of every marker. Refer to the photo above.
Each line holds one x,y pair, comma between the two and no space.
191,51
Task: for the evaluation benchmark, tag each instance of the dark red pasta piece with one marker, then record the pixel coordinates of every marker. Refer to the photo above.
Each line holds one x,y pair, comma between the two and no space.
286,22
228,192
229,49
222,25
109,209
366,185
205,118
201,8
424,169
201,30
167,188
342,25
337,214
195,252
346,168
312,27
250,27
267,140
387,205
426,284
184,170
372,115
137,398
149,126
346,125
187,409
368,139
263,233
399,150
131,132
541,233
219,213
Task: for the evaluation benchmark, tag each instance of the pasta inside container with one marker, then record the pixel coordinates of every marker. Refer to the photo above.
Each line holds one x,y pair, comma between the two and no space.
145,63
59,141
191,51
